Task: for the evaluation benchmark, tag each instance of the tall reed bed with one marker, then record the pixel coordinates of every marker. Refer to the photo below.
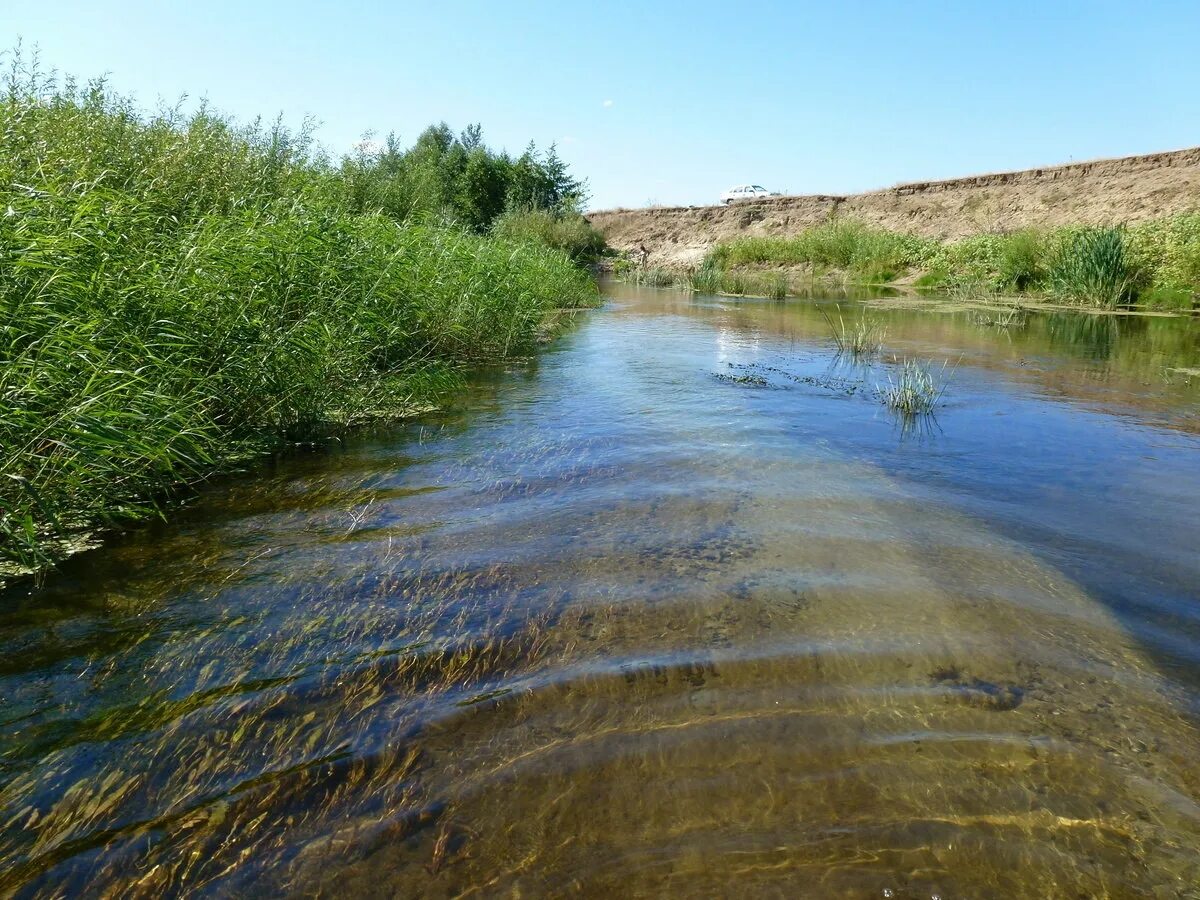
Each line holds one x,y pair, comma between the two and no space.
176,294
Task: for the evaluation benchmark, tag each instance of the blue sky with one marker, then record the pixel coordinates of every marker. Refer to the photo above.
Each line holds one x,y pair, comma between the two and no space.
673,102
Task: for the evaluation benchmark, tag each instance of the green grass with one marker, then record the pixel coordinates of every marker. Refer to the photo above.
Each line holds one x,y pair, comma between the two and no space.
1170,297
1093,267
846,245
861,341
914,392
567,231
653,277
709,278
706,278
179,294
775,286
1155,264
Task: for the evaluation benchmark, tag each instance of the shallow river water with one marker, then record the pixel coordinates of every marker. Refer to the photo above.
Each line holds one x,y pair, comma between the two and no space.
678,608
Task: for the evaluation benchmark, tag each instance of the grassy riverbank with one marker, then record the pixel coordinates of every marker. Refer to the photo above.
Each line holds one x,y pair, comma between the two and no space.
1154,264
178,293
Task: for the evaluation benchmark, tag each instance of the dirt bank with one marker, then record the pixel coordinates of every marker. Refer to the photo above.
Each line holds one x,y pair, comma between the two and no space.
1107,191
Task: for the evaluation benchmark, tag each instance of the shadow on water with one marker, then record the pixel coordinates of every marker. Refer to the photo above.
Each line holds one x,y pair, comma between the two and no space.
616,625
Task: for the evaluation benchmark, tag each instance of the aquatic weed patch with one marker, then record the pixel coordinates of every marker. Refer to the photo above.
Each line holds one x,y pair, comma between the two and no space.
760,375
746,379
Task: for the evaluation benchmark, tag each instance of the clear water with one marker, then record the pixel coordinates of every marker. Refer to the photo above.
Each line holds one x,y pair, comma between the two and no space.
630,622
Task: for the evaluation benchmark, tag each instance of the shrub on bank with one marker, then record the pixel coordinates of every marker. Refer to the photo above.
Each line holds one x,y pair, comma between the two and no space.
567,231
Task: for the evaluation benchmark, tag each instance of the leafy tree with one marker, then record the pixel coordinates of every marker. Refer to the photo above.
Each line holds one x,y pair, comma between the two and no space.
458,179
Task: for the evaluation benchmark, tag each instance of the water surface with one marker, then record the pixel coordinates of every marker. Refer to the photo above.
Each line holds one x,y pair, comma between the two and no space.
677,608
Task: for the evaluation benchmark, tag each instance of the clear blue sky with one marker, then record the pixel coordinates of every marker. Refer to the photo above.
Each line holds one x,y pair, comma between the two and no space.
673,102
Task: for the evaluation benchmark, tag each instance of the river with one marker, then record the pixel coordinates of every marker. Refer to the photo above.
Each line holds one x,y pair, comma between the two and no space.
677,607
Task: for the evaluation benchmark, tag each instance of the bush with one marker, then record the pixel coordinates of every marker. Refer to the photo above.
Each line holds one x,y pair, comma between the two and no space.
569,232
1168,251
1022,260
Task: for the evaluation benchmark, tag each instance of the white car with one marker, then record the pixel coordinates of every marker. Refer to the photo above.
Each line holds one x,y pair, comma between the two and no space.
746,192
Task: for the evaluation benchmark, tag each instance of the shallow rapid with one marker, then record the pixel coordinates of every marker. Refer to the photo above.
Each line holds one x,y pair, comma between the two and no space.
676,608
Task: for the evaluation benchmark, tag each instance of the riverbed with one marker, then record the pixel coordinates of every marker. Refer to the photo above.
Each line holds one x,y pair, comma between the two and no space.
677,607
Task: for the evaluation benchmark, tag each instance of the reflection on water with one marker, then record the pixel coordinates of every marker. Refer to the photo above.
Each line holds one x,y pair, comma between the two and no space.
620,627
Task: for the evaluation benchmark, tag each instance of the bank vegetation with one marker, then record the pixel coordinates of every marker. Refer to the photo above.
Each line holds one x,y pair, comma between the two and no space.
1152,265
179,293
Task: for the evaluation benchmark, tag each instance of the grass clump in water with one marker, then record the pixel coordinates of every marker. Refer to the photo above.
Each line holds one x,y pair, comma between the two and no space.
914,392
862,340
776,286
710,278
178,294
707,278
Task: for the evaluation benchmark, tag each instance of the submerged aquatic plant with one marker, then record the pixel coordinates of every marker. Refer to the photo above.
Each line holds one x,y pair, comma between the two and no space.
1014,316
915,392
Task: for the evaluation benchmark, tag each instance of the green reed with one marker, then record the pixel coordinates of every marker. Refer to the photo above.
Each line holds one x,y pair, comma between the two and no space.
1093,267
566,231
179,293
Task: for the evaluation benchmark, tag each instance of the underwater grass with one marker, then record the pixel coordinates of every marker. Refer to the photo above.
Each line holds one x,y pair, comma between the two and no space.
177,295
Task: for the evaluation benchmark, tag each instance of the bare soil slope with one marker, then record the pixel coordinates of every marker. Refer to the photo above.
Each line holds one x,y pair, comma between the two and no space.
1107,191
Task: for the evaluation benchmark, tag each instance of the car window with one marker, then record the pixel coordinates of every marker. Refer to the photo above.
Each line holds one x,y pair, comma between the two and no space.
759,187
